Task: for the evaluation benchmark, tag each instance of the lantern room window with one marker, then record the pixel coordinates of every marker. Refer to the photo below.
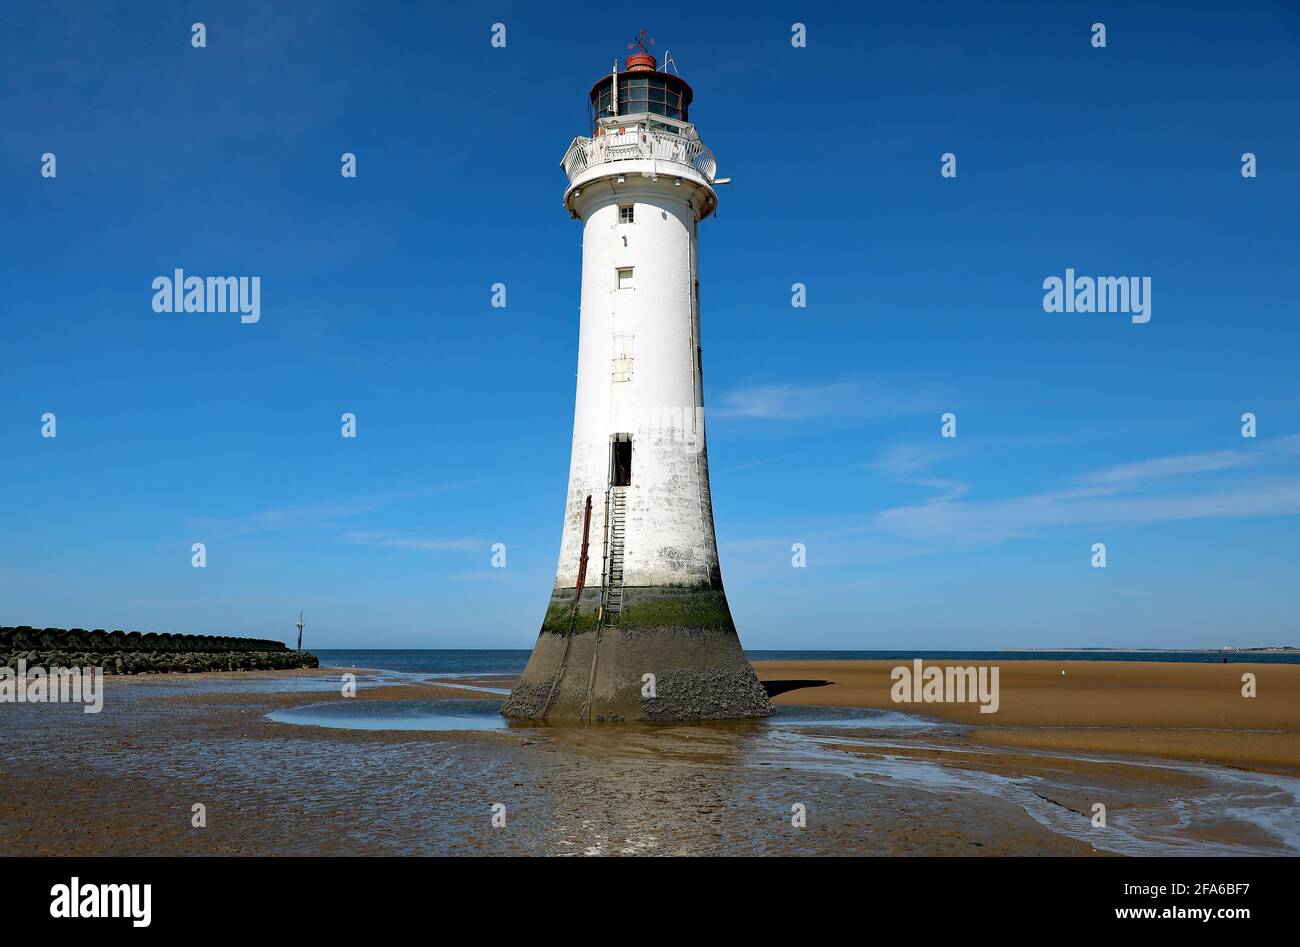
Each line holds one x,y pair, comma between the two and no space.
656,93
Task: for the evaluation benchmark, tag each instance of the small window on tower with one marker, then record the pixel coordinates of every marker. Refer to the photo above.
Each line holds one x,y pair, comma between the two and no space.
625,277
625,214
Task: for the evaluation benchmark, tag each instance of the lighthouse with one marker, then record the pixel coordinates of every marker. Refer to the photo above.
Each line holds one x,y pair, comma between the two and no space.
638,626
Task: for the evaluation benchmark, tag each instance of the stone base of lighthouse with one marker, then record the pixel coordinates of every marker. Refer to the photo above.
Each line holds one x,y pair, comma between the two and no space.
684,637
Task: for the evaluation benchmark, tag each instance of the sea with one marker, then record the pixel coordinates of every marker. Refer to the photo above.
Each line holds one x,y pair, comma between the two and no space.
467,662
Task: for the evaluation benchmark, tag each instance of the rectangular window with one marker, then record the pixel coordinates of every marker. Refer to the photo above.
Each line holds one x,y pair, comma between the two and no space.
625,214
625,277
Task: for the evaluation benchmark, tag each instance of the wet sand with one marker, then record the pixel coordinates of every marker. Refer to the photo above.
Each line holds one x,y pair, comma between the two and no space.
873,782
1181,711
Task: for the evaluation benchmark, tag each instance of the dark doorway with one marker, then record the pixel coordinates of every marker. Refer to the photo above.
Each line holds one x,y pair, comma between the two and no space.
620,460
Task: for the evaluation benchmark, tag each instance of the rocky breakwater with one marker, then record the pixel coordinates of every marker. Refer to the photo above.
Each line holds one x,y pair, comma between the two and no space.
131,652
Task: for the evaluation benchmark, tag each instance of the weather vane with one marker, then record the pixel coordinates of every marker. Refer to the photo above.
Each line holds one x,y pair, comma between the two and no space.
640,42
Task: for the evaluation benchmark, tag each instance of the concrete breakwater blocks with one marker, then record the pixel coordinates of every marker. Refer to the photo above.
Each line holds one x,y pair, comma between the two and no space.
119,652
674,655
158,662
24,637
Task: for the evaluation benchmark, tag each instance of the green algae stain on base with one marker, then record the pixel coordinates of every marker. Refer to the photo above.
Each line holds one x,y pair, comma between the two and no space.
700,608
560,620
706,610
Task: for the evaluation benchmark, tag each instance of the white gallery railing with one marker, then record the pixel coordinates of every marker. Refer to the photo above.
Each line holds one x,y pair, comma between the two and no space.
637,143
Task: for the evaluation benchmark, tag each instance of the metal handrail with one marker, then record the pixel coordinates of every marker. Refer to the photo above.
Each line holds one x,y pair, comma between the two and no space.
633,143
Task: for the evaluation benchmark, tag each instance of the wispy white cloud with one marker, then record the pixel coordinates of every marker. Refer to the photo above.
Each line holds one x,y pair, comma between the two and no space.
332,514
950,489
807,402
1184,487
760,463
413,544
483,575
906,460
1161,468
1123,494
309,516
993,521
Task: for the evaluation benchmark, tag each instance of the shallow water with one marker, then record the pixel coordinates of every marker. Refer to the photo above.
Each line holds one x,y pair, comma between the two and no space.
787,715
432,714
202,684
1191,817
449,714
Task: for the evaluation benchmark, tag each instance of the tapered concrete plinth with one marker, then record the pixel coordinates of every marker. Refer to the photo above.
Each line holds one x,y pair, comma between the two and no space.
684,638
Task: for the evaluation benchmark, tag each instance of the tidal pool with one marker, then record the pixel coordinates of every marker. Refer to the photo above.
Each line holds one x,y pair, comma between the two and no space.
469,714
429,714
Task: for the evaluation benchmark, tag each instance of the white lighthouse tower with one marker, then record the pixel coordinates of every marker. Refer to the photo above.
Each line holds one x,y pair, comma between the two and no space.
638,626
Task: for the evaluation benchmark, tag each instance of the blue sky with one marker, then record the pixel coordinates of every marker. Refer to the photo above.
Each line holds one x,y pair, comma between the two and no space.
924,297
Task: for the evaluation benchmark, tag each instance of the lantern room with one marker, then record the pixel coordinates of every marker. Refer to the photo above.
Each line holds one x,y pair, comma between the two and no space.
641,89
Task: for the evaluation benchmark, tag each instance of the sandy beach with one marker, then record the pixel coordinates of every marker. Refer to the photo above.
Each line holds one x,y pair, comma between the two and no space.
1177,710
1181,762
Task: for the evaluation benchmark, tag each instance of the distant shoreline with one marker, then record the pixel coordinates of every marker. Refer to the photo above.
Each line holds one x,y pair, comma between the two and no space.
512,660
1268,649
1288,649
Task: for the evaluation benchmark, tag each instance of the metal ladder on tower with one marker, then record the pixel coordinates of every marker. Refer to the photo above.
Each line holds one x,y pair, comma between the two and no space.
613,604
611,580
